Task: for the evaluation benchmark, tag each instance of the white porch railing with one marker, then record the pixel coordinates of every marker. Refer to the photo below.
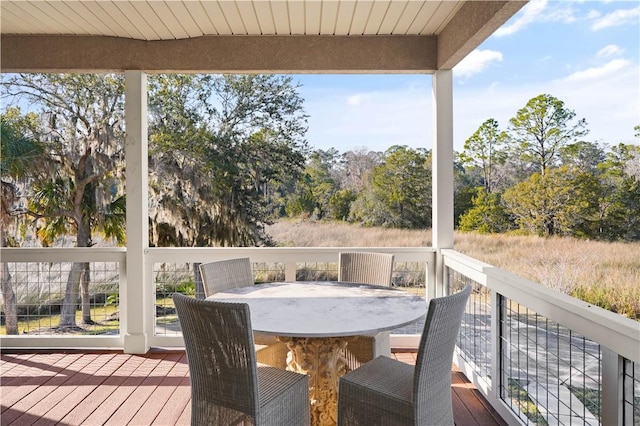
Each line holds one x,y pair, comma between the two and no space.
42,273
31,270
542,357
289,261
538,356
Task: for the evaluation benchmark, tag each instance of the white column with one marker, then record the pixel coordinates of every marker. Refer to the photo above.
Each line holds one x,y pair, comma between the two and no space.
136,299
442,238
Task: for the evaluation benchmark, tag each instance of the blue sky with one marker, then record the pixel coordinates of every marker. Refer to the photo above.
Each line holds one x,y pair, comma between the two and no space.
586,53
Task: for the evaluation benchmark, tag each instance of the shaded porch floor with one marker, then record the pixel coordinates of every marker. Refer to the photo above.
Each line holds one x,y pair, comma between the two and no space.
112,388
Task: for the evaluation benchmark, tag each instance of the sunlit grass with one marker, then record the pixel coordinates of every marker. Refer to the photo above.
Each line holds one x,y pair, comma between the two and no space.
102,315
606,274
520,398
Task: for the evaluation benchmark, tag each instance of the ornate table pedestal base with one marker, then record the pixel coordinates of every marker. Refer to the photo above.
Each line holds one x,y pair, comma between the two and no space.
322,359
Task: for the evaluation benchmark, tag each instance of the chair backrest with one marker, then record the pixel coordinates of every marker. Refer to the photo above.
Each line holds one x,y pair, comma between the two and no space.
366,268
432,377
226,274
222,363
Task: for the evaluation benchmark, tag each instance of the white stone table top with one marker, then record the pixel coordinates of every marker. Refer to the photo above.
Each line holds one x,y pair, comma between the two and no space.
325,308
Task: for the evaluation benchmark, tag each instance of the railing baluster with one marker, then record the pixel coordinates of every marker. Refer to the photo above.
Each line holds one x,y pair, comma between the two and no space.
612,388
290,271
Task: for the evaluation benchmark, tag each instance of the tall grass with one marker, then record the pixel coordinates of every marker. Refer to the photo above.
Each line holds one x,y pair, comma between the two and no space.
294,233
604,274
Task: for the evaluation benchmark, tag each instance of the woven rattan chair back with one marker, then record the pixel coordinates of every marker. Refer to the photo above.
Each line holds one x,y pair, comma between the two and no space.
432,375
226,274
386,391
365,268
233,273
222,361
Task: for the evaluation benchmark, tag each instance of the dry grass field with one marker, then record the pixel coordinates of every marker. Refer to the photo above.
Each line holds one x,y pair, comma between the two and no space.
605,274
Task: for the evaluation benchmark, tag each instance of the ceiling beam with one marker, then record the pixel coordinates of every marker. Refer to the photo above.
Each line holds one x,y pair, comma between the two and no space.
221,54
474,23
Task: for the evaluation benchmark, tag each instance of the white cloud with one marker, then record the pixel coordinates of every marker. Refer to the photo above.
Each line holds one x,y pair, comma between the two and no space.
616,18
610,104
610,50
476,62
604,71
355,100
561,13
529,13
608,98
538,11
594,14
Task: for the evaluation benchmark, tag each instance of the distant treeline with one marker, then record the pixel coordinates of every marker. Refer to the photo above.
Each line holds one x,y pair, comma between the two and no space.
228,154
538,176
597,197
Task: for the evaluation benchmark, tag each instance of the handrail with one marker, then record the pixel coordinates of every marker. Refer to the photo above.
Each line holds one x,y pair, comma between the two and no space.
279,254
614,331
63,254
609,329
617,337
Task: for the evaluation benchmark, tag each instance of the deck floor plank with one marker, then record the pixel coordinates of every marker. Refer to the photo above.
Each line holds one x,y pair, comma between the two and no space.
78,395
17,362
462,415
147,379
58,387
32,370
112,388
160,379
472,402
163,394
40,370
180,401
111,377
136,369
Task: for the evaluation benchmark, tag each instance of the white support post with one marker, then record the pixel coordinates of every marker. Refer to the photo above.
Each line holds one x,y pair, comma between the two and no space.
612,390
136,297
442,170
432,277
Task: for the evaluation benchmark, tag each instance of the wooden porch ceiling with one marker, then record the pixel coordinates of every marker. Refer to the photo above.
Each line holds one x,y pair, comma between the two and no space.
320,36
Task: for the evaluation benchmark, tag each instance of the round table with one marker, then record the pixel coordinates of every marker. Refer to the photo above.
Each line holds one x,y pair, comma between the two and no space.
317,320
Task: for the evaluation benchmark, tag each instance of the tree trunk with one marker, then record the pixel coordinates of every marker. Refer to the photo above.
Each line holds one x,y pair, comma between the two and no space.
70,302
85,280
9,296
72,291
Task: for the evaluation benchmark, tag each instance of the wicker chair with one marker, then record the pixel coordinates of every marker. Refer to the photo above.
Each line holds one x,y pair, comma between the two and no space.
226,274
366,268
390,392
227,386
233,273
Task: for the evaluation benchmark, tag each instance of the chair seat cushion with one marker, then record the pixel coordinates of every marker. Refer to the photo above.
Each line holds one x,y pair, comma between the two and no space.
386,376
378,393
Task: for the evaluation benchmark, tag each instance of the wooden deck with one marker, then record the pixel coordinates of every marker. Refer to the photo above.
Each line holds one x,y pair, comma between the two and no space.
112,388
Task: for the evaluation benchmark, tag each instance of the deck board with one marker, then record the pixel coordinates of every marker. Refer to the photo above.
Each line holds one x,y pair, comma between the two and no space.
112,388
